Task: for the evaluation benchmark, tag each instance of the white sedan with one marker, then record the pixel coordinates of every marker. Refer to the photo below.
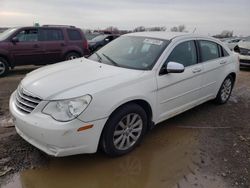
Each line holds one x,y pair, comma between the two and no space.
113,98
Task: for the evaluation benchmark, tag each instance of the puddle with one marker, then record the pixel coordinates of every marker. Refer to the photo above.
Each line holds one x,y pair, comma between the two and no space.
164,159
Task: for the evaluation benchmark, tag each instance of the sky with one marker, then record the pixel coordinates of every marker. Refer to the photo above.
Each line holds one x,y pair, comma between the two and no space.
207,16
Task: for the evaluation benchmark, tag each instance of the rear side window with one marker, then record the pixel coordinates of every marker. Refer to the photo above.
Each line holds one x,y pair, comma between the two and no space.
209,50
184,53
51,35
74,34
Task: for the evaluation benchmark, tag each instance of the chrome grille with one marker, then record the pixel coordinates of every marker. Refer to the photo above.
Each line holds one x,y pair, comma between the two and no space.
25,101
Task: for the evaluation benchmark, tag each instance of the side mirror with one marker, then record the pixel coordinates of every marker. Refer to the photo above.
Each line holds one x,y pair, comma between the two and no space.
173,67
15,40
237,49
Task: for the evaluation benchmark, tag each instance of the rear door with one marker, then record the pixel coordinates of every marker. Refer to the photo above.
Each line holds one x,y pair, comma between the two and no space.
214,63
27,50
180,91
53,42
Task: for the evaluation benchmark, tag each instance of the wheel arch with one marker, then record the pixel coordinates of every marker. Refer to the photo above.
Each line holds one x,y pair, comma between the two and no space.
233,74
7,59
142,103
72,51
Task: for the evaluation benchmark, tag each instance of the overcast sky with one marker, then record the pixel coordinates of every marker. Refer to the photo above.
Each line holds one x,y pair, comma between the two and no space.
208,16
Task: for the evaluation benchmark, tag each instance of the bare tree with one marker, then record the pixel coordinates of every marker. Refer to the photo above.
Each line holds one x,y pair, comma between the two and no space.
225,34
157,29
140,29
112,29
180,28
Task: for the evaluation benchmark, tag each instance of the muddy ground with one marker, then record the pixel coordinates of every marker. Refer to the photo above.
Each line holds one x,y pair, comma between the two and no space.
208,146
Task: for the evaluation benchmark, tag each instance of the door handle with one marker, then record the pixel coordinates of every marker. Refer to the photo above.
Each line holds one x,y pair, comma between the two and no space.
62,44
196,70
223,62
35,45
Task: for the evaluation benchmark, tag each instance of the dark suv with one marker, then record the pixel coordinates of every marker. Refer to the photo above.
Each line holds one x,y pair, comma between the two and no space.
40,45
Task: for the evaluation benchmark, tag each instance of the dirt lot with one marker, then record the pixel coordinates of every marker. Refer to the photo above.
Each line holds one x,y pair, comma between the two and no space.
208,146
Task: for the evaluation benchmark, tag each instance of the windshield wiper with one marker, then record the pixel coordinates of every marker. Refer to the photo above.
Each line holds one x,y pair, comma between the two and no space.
111,60
99,57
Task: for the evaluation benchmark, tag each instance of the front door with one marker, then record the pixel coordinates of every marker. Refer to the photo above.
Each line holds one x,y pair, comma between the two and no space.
180,91
27,49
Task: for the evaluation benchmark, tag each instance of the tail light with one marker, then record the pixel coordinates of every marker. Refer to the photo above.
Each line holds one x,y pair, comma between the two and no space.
85,44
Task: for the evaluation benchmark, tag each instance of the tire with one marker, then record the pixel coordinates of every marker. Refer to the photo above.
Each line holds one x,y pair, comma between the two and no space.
71,56
225,90
4,67
124,130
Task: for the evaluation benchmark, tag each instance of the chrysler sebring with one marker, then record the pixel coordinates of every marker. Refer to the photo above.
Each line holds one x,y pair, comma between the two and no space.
110,100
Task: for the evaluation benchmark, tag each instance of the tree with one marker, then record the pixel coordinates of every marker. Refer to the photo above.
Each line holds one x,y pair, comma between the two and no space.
140,29
157,29
112,29
180,28
225,34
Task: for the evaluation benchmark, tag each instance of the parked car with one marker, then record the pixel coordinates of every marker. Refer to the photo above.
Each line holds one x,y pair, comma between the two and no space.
101,40
243,48
231,43
111,99
40,45
90,36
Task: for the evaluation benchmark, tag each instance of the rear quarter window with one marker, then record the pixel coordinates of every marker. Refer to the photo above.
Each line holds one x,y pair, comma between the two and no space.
74,34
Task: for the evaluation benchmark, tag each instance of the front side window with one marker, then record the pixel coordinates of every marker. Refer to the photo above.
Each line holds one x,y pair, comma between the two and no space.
50,35
74,34
131,52
27,35
209,50
184,53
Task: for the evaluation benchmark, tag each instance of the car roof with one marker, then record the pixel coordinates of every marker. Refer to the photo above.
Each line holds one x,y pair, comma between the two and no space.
166,35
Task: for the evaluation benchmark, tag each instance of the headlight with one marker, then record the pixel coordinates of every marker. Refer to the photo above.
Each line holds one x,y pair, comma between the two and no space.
66,110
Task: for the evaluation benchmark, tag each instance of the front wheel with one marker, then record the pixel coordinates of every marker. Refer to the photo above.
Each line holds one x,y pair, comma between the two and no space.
124,130
4,68
225,90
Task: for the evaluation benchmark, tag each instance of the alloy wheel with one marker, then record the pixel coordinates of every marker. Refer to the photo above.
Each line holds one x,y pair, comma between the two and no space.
2,67
226,89
127,131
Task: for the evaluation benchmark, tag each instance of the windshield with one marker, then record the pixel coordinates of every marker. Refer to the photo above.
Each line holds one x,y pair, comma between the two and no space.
99,38
131,52
7,33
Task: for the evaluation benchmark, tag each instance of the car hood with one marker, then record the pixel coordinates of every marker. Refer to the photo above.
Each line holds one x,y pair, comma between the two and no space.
244,44
75,78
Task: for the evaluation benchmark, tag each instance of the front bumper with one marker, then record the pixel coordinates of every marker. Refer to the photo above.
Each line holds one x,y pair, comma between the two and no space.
53,137
244,60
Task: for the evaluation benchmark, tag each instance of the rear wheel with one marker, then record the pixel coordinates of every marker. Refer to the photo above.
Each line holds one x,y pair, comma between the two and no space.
124,130
71,56
4,67
225,90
